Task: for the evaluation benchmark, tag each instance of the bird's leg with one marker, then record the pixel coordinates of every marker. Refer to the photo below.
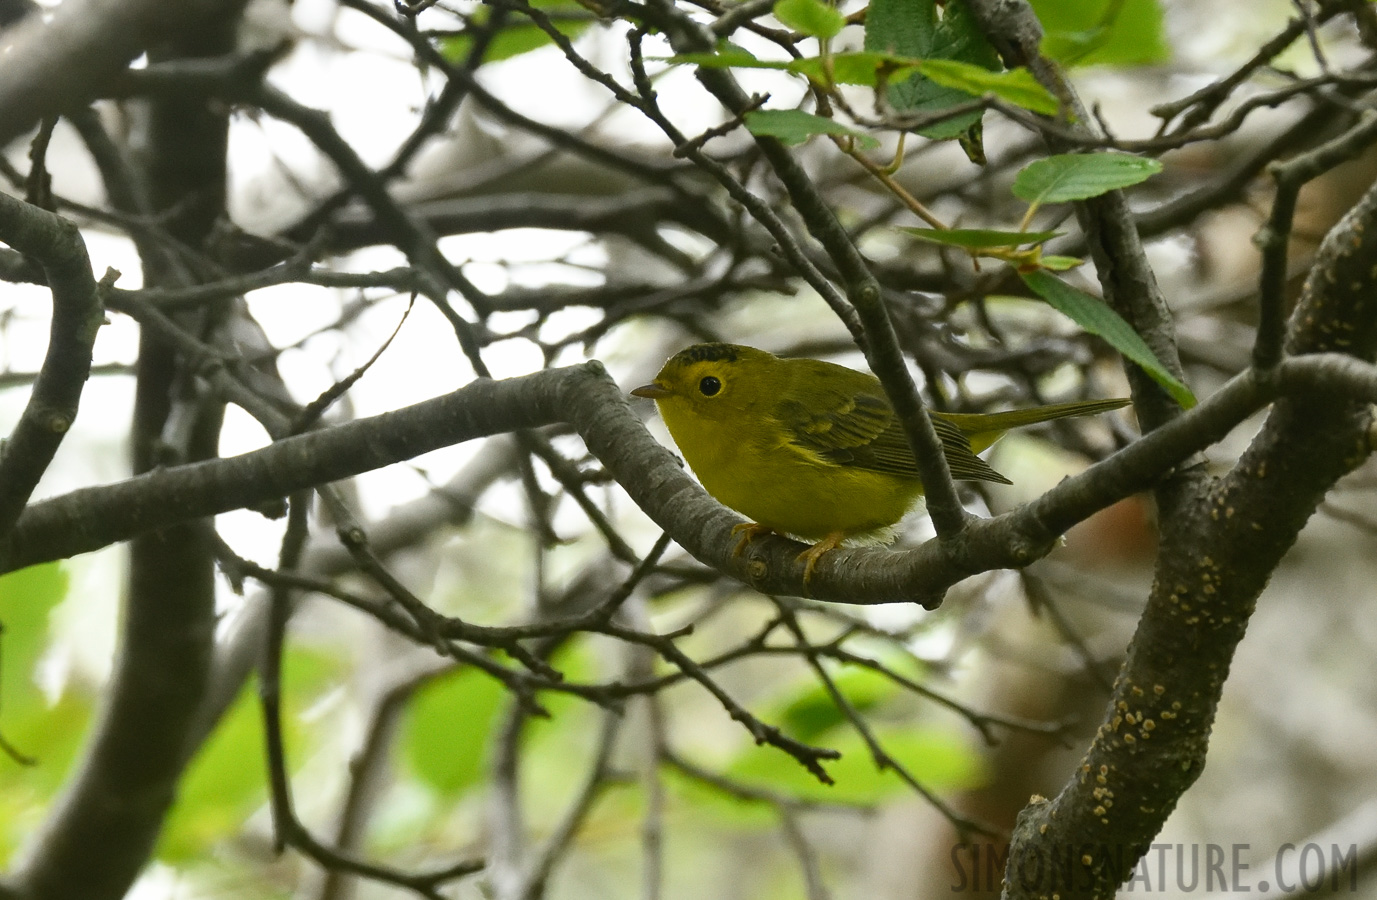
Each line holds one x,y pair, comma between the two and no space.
749,531
814,553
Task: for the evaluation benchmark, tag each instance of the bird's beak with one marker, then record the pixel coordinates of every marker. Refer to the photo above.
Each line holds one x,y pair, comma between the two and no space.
652,391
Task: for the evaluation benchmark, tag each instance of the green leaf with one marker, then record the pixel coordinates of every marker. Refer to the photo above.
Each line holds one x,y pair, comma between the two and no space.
565,742
901,28
812,712
1018,86
1071,47
728,56
222,787
811,17
519,37
911,28
794,126
862,67
50,734
27,597
226,780
704,802
1095,316
1060,263
938,758
977,238
1077,176
1103,32
447,729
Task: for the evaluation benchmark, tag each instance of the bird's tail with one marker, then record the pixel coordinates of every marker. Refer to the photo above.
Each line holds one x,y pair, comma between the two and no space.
983,429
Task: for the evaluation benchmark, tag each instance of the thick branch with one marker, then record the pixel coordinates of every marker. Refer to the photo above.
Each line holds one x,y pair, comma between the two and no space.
583,396
1213,566
77,316
60,63
100,833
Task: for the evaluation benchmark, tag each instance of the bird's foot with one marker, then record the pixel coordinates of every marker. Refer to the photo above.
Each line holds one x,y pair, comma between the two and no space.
814,553
749,531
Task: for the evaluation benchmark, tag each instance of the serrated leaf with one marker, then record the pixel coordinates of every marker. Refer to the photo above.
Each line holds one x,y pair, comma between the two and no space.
1103,32
976,238
911,28
793,126
1095,316
811,17
1078,176
726,57
901,27
959,37
1017,86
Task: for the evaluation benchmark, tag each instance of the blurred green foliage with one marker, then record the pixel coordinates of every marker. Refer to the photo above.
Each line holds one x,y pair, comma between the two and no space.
447,730
1103,32
570,19
49,733
227,779
941,759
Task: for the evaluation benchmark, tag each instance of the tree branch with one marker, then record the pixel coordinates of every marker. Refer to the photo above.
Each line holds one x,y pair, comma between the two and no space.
878,339
77,316
1214,563
584,397
57,63
1126,278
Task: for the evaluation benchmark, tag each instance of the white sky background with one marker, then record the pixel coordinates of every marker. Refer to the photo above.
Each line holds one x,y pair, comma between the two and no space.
374,97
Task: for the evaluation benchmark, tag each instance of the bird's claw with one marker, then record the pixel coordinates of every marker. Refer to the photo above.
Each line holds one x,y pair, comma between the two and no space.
814,553
749,531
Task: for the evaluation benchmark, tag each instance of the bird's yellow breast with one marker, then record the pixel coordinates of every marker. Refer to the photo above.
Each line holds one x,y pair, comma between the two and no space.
751,466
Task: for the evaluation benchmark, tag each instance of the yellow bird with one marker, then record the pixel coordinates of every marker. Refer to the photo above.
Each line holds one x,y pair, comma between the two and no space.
812,449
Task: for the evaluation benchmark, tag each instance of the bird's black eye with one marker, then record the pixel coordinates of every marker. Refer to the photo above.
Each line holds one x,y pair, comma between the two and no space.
709,386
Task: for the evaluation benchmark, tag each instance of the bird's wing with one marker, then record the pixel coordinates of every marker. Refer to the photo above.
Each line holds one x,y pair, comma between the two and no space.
855,426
